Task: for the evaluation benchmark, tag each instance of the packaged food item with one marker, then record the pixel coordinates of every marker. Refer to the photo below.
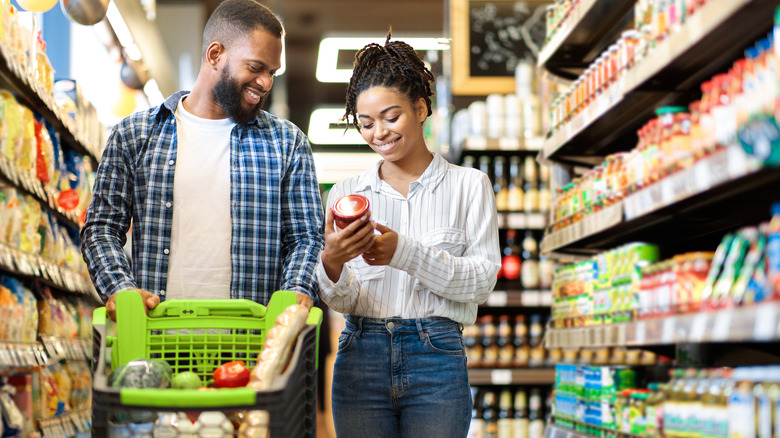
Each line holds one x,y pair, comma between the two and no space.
349,208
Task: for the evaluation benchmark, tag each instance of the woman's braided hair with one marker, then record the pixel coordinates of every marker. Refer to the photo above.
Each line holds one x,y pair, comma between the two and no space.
394,65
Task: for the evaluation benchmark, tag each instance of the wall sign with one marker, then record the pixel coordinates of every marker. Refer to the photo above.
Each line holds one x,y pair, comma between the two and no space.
489,38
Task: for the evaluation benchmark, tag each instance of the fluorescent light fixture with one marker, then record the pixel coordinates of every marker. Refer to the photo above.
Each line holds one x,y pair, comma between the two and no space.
153,93
327,58
333,167
284,59
326,128
122,32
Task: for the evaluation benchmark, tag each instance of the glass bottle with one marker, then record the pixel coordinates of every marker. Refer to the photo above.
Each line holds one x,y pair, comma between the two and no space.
500,186
515,192
529,276
504,342
510,261
505,414
490,415
520,423
520,342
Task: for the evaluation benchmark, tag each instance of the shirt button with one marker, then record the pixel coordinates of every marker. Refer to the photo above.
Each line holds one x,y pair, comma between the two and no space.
168,205
166,251
170,163
162,292
390,325
173,121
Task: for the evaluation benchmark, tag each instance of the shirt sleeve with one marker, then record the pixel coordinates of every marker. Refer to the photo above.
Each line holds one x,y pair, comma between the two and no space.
468,278
108,219
302,220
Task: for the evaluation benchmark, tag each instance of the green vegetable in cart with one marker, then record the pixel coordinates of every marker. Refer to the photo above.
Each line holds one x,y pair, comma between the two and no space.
142,373
186,380
233,374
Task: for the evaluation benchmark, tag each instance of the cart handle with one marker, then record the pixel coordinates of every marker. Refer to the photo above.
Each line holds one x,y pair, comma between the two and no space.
188,398
235,307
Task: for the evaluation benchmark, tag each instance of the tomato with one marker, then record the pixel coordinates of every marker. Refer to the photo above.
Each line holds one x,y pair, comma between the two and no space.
232,375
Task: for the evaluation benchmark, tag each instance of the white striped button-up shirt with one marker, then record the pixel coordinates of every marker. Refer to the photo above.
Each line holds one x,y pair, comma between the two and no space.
447,256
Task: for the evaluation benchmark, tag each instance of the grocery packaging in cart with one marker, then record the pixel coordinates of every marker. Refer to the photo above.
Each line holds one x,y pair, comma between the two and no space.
206,368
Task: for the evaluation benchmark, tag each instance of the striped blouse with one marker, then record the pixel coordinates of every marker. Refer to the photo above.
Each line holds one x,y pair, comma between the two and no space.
447,256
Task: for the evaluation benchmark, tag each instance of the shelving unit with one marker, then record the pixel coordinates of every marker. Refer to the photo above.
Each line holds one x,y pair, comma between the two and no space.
41,353
757,323
691,204
512,376
690,209
501,144
671,73
518,298
587,26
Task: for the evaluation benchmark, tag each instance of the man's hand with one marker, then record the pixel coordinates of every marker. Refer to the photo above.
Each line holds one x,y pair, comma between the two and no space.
346,244
150,302
384,247
304,300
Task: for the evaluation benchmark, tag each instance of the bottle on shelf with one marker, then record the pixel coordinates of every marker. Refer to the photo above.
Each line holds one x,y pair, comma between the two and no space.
500,186
484,165
510,260
505,415
489,343
535,415
469,161
529,276
520,419
537,352
515,192
504,342
545,196
489,415
477,425
531,188
520,343
472,344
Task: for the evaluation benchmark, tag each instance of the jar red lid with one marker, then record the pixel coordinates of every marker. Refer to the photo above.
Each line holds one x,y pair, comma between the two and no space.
350,206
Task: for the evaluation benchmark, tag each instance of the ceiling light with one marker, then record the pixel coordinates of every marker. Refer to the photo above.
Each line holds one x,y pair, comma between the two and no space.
327,58
326,128
153,93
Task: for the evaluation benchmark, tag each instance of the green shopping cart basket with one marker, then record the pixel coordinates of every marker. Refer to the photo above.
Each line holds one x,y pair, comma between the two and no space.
199,336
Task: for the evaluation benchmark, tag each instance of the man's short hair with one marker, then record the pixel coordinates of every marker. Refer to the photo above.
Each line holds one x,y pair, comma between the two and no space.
234,19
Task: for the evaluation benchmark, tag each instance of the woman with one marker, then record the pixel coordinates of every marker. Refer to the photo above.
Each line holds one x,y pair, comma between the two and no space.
429,255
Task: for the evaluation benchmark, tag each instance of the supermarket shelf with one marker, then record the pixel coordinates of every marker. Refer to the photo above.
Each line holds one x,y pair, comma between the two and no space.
27,182
758,323
21,264
670,74
584,34
67,424
694,206
33,354
502,144
519,298
522,221
511,376
593,225
11,78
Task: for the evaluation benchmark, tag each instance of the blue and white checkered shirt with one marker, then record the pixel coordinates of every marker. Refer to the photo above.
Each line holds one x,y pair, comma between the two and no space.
276,211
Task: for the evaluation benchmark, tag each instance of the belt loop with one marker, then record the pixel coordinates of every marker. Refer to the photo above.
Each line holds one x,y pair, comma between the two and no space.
420,330
359,327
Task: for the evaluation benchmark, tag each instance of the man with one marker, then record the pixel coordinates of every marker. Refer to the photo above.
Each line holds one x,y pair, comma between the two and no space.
222,196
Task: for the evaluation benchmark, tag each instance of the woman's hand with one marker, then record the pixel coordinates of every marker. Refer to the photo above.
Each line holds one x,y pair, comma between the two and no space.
384,247
344,245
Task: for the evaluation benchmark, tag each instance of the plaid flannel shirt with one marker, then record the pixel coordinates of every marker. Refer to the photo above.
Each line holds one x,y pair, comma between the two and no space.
276,211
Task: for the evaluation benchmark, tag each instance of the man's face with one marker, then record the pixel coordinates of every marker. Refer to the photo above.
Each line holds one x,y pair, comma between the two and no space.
247,75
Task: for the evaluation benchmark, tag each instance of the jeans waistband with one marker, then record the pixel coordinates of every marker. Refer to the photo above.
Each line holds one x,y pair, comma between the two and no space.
421,325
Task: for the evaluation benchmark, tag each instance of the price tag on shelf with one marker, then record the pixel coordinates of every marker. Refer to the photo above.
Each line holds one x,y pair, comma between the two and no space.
497,298
639,332
508,144
766,326
531,298
536,221
698,327
517,221
547,298
476,143
501,377
667,333
721,326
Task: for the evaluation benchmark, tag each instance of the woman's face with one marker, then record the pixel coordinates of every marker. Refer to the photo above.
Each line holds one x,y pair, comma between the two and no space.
391,123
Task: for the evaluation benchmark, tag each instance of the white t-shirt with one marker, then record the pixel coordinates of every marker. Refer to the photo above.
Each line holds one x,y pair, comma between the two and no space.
199,264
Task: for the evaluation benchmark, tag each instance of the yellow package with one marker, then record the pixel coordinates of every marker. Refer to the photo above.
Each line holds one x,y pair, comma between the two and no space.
30,238
28,148
12,123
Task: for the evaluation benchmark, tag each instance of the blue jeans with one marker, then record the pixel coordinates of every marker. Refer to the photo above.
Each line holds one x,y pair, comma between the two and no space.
401,378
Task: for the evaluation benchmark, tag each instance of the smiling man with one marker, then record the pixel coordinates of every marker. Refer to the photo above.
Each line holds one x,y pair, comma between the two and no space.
222,196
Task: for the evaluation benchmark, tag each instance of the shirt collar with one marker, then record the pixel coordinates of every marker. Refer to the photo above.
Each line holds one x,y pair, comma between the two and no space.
173,100
429,180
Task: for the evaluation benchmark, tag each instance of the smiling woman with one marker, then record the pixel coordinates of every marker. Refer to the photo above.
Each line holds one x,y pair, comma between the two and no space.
412,275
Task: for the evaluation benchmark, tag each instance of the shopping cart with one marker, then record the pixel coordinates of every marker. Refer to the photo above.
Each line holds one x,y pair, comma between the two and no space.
198,336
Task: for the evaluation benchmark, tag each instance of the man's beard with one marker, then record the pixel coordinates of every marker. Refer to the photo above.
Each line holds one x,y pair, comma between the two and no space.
228,94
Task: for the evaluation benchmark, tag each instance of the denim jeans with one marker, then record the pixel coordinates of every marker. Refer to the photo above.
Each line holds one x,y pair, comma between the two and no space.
401,378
